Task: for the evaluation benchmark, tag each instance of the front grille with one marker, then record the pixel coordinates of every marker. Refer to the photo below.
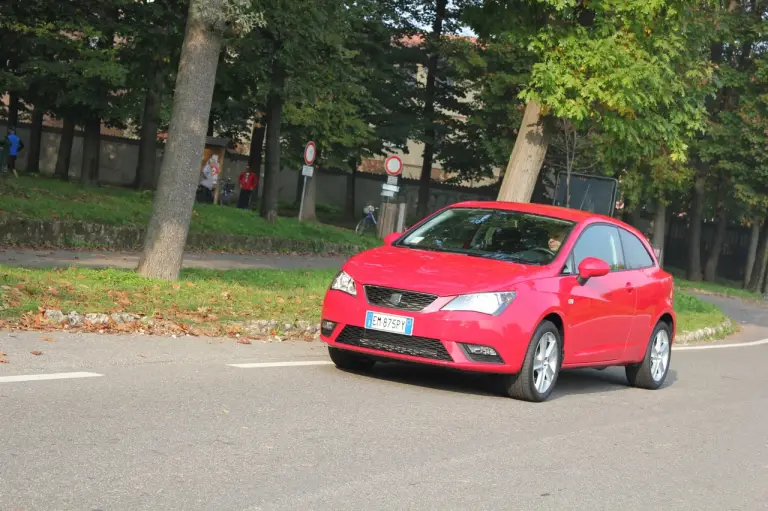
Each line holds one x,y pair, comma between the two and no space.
421,347
397,299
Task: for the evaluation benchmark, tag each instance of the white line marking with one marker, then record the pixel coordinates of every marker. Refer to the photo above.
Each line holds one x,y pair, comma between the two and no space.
721,346
52,376
282,364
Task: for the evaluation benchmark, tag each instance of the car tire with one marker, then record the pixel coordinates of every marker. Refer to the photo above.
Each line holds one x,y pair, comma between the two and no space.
349,361
526,385
647,374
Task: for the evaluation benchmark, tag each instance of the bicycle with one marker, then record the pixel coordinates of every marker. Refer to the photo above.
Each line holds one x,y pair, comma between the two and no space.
369,220
226,192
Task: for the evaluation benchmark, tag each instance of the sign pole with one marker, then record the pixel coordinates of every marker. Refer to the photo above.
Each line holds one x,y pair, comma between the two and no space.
303,193
310,151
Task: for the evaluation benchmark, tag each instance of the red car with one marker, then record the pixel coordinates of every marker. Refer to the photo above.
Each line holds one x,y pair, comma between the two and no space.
523,290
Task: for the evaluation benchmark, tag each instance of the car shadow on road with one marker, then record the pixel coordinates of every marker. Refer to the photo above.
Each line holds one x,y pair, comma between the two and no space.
570,382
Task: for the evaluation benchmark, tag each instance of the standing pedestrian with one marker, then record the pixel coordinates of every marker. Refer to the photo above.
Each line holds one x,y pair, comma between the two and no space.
248,181
15,145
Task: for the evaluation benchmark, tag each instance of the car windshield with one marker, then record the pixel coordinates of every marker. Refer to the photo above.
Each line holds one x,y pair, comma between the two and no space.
492,233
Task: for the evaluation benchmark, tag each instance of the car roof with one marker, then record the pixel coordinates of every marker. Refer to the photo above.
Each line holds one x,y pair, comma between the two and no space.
572,215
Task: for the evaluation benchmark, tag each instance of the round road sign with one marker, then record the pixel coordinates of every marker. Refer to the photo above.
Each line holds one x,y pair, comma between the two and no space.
393,165
309,153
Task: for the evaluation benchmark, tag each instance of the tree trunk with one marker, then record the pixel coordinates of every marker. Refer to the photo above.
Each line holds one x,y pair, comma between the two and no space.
526,158
710,267
145,168
754,236
429,110
761,258
694,230
272,160
179,175
35,141
89,170
64,156
255,154
13,109
349,202
660,229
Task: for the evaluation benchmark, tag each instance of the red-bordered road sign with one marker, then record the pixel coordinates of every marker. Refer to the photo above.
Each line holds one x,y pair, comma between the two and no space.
310,151
393,165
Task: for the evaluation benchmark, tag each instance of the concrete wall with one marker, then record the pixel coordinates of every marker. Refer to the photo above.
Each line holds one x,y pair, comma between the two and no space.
120,155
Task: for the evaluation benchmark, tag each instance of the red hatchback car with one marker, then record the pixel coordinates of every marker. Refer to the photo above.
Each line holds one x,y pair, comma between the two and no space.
523,290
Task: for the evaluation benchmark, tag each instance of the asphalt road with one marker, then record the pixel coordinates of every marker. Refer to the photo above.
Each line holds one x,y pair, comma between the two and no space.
169,424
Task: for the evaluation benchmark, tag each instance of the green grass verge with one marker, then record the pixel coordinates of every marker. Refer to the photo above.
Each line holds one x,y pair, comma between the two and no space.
721,287
41,198
694,314
200,296
205,295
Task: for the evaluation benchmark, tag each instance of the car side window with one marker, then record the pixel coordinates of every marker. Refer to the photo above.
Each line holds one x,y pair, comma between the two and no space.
635,253
601,242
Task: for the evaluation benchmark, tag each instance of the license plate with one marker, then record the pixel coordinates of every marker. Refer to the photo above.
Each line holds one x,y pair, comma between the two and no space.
389,323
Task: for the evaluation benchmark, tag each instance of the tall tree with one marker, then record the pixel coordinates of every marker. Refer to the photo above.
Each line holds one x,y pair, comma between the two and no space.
166,236
614,63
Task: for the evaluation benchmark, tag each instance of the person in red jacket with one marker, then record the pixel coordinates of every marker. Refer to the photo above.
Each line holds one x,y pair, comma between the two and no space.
248,181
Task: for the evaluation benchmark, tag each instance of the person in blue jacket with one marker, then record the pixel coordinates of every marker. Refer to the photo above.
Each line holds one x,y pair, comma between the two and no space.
15,145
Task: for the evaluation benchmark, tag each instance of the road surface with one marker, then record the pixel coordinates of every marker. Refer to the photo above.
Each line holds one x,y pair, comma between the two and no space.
215,261
149,423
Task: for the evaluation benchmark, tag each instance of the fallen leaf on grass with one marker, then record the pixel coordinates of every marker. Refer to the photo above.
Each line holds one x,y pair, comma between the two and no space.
281,300
48,339
36,353
243,341
226,295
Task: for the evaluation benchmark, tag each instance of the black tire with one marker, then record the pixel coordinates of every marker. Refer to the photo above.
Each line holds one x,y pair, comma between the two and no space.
350,361
523,385
640,375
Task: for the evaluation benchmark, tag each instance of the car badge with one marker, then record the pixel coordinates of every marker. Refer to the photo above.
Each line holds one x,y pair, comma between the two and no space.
396,298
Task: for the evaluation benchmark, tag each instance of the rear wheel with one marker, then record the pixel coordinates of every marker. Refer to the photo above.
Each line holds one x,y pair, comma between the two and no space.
361,225
541,366
652,371
350,361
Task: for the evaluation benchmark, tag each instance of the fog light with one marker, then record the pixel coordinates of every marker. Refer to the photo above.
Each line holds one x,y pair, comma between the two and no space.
327,327
476,349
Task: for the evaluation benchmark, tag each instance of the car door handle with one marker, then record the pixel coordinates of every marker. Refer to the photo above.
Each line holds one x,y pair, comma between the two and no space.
630,287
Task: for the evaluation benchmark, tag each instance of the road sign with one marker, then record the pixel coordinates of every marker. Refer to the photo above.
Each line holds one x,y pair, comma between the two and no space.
390,188
310,151
392,180
307,170
386,193
393,165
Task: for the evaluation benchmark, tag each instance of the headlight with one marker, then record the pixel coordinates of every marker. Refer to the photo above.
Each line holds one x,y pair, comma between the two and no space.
485,303
345,283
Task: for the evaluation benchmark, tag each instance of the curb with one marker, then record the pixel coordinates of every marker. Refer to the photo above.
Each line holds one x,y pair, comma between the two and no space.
704,334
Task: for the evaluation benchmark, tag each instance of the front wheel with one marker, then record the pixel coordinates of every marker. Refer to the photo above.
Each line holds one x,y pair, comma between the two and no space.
349,361
541,366
652,371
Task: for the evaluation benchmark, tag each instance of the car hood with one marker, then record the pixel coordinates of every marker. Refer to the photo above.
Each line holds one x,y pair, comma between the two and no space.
439,273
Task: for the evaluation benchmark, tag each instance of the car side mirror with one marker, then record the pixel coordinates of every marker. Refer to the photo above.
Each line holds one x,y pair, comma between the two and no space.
592,267
391,238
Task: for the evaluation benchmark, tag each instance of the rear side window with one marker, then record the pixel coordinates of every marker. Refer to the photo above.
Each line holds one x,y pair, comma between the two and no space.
636,255
602,242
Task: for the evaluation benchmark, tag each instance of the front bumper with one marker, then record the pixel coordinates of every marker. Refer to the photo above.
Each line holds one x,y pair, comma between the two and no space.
439,337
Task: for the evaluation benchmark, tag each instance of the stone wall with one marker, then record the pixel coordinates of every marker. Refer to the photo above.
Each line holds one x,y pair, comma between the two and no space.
119,157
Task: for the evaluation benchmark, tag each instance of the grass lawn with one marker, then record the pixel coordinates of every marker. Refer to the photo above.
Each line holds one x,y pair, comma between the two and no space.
720,287
207,296
693,313
200,296
42,198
